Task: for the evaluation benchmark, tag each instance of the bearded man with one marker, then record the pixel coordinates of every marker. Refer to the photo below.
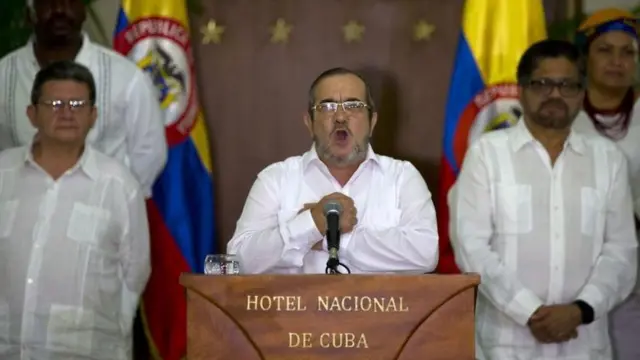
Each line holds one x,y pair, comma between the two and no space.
388,221
544,214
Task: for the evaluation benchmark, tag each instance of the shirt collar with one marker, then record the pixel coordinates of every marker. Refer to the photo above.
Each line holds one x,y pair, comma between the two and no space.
311,156
83,57
521,136
87,162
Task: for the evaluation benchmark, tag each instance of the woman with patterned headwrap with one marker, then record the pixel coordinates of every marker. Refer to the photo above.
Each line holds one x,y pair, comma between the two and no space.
609,39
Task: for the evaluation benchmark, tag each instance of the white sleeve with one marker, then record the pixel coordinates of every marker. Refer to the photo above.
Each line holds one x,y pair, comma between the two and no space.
614,274
146,141
471,227
264,243
412,246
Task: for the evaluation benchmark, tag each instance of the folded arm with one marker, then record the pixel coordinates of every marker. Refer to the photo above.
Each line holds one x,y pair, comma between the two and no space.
264,241
412,245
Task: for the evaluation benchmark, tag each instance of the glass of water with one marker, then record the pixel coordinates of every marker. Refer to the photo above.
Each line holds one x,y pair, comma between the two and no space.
221,264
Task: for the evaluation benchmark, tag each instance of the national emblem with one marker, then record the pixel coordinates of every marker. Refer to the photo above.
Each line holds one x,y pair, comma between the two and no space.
161,47
495,107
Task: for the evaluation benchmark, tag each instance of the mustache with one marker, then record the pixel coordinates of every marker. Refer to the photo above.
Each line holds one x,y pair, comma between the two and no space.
60,17
335,129
558,102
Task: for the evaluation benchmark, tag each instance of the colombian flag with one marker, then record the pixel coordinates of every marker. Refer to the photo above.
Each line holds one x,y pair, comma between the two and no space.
155,35
483,94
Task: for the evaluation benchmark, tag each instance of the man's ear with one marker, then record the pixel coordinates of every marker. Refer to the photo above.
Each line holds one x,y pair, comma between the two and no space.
308,122
29,17
31,114
94,116
374,121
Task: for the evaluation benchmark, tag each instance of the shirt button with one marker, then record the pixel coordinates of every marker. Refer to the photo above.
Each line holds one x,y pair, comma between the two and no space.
29,281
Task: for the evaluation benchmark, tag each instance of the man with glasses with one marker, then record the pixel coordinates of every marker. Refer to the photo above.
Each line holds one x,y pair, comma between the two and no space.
544,215
388,221
130,124
73,232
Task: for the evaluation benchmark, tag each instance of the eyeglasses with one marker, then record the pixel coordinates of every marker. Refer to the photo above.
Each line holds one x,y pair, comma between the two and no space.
545,87
352,106
59,105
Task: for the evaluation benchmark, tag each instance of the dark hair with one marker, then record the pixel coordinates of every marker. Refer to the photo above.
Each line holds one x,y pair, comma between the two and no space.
547,49
334,72
63,70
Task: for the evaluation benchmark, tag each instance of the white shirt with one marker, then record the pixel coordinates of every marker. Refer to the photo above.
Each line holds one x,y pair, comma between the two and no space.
71,251
630,146
130,123
543,235
396,229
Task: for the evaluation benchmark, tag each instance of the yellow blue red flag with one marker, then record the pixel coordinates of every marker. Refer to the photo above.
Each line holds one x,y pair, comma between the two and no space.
483,94
155,35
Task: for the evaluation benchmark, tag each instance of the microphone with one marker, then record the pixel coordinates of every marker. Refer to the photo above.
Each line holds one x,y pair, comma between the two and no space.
332,212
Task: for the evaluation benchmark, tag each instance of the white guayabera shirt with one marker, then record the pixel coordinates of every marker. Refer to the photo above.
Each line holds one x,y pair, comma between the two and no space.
72,252
129,127
396,229
629,145
540,235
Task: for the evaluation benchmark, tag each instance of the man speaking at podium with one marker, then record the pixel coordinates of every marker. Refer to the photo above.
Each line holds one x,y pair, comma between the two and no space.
381,217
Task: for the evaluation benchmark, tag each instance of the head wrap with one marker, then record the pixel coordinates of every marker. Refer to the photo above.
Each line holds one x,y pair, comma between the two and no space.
603,21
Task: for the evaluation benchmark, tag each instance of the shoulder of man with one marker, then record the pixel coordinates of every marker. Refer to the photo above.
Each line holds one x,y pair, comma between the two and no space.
12,157
280,169
393,166
7,59
126,67
599,144
110,167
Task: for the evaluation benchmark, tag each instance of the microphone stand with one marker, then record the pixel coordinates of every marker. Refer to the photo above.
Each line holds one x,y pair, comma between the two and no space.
332,212
334,263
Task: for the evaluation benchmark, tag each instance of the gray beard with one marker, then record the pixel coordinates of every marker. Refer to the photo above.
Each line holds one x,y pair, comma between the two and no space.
357,156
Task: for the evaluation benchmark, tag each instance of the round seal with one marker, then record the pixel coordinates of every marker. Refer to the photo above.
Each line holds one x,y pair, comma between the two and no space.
161,47
495,107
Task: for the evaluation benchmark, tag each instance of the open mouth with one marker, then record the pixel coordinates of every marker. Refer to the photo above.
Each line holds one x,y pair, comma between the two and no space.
341,135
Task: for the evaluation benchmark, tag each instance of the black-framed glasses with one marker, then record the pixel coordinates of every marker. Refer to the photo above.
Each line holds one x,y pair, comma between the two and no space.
567,88
351,106
59,105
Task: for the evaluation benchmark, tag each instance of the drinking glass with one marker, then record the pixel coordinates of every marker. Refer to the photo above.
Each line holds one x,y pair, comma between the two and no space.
221,264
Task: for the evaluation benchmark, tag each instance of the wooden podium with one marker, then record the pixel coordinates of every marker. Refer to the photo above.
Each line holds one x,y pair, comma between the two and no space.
317,317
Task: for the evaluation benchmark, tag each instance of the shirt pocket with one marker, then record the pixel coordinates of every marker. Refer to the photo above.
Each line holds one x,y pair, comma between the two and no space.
70,329
88,224
7,217
591,211
513,209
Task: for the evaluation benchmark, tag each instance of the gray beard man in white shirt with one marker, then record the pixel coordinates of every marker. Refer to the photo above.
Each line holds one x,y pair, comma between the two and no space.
388,221
545,216
130,124
74,239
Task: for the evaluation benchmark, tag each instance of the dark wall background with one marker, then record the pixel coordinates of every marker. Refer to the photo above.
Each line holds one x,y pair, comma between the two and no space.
254,92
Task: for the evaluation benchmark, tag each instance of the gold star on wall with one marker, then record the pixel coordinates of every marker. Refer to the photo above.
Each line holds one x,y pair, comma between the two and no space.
280,31
422,31
212,33
353,31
